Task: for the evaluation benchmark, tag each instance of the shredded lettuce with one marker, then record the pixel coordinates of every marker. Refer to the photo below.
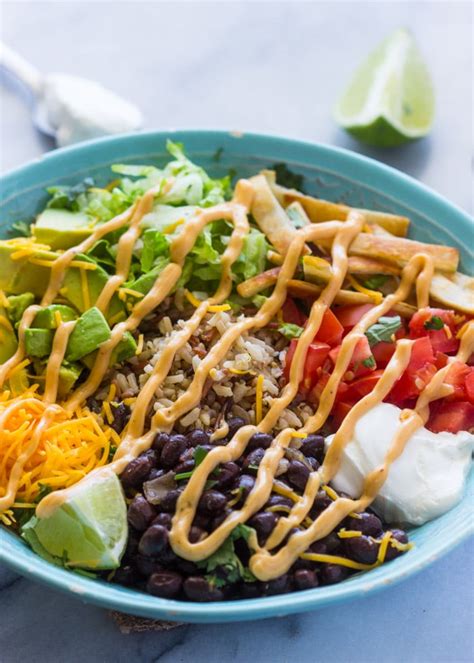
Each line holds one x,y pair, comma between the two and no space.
253,257
290,330
155,245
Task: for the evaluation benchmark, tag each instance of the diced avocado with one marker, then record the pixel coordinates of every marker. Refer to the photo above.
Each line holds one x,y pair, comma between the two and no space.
46,318
8,339
68,375
90,332
38,342
61,229
20,276
145,282
123,351
73,291
17,305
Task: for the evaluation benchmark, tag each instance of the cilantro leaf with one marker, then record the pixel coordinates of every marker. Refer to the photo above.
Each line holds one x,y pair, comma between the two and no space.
65,197
20,229
383,330
199,454
224,566
369,362
290,330
435,323
287,177
375,282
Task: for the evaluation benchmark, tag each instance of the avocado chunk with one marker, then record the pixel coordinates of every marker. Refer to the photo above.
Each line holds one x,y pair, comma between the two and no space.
46,318
20,276
68,375
17,305
61,229
90,332
8,339
73,291
38,342
123,351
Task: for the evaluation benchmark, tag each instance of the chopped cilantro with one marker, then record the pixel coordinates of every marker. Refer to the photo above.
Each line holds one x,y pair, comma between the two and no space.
224,566
199,454
290,330
383,330
375,282
20,229
435,323
369,362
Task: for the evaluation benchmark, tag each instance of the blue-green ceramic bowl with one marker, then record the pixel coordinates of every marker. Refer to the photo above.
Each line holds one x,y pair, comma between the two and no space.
330,173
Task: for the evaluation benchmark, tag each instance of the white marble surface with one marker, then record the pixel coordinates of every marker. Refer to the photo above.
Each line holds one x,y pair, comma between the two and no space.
273,67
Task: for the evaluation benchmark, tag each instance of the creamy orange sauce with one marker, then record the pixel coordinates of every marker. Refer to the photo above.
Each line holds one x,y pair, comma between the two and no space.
263,563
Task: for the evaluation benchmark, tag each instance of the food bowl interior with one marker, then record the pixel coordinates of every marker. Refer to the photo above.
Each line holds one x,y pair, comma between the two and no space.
328,173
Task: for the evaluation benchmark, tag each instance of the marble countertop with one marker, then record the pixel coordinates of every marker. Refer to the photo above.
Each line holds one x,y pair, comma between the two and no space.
277,68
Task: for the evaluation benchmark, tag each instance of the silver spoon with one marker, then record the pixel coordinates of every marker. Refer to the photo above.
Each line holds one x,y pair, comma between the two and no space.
70,108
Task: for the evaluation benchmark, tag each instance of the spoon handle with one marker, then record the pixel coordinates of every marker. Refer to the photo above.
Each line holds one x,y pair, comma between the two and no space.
21,69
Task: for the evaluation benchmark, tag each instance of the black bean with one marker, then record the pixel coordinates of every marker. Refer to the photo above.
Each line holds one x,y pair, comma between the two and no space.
392,552
168,502
166,584
198,588
186,567
163,519
314,463
361,549
321,502
126,575
367,523
332,542
147,565
279,585
185,466
250,590
254,458
278,500
198,437
319,547
160,440
313,446
202,521
154,474
330,574
211,502
137,470
132,546
263,523
196,534
140,513
305,579
234,424
259,440
227,474
172,450
121,414
298,474
245,484
153,540
94,405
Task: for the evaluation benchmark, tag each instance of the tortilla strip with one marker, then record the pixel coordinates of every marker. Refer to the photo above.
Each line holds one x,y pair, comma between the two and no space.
270,216
356,265
454,291
399,251
257,283
319,210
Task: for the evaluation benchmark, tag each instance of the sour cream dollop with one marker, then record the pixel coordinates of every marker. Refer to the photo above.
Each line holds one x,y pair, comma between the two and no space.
424,482
80,109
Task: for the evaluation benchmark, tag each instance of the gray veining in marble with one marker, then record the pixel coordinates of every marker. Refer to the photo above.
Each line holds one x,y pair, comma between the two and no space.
277,68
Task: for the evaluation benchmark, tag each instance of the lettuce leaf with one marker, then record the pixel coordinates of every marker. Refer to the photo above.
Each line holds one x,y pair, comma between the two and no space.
253,257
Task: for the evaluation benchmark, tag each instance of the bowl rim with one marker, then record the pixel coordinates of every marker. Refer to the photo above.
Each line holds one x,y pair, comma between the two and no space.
138,603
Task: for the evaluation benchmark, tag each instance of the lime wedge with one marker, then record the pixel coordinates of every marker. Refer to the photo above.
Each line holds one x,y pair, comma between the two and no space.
89,530
390,99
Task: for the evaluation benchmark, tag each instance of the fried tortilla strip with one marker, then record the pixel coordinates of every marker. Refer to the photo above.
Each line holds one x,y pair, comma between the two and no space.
356,265
454,291
319,210
398,251
256,284
302,289
270,216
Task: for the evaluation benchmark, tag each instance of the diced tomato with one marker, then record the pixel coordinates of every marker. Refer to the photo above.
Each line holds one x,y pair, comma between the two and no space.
470,386
339,412
383,353
315,358
331,330
350,315
441,360
359,388
442,340
317,390
452,417
291,313
362,353
418,373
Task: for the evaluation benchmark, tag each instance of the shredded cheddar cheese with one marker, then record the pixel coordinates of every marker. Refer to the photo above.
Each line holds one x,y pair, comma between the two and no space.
375,295
67,450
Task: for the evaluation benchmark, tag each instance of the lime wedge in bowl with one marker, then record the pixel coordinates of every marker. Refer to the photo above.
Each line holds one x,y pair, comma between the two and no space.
390,99
88,530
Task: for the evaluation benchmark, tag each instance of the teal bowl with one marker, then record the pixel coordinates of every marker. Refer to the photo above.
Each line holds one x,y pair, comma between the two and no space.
330,173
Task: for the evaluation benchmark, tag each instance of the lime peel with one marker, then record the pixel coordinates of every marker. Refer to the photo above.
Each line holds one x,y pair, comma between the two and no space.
89,530
390,99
